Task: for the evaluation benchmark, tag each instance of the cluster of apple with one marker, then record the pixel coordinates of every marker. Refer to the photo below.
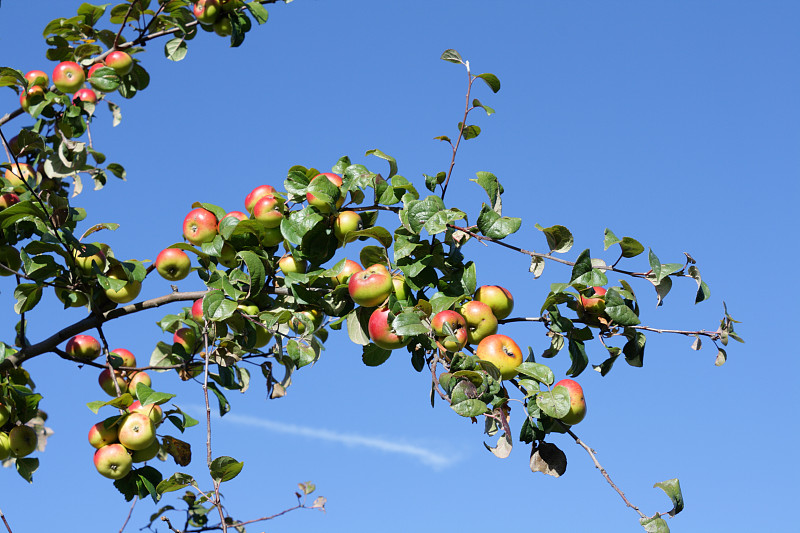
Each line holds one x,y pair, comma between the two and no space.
87,348
97,257
125,439
210,14
18,441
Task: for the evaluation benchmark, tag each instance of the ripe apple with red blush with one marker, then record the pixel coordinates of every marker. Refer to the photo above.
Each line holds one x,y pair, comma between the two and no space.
269,211
199,226
497,298
113,461
173,264
37,77
371,286
481,322
349,268
152,410
68,76
103,433
127,359
320,204
120,61
8,199
106,381
577,402
30,97
381,332
454,339
502,352
346,222
256,195
85,95
83,348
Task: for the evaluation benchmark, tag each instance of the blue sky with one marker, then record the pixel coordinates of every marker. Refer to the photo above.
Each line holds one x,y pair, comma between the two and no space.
674,123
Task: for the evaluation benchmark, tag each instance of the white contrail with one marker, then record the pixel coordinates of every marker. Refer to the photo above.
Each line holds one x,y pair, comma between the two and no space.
428,457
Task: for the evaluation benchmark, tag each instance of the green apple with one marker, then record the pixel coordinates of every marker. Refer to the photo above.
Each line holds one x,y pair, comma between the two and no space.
103,433
289,265
113,461
207,11
173,264
381,332
271,237
481,322
400,287
223,27
22,440
302,318
68,76
346,222
497,298
5,414
140,456
577,402
137,431
71,298
83,348
5,446
502,352
90,254
371,286
128,292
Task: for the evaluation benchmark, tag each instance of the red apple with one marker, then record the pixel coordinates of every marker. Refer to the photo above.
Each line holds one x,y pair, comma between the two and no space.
22,440
113,461
451,342
381,333
136,431
8,199
269,211
256,195
238,215
350,267
100,435
128,359
346,222
173,264
206,11
199,226
139,377
371,286
481,322
83,348
323,206
18,174
594,306
128,292
187,338
68,76
197,310
37,77
152,410
497,298
106,382
85,95
120,61
502,352
94,67
577,403
30,97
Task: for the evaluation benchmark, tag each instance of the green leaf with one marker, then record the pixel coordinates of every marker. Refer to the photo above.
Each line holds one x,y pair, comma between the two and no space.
584,274
374,355
559,238
477,103
26,466
655,524
470,408
12,76
722,356
176,49
390,159
225,468
578,357
539,372
703,292
224,406
492,186
258,11
147,478
105,79
439,221
495,226
634,348
491,80
554,403
452,56
176,481
27,296
378,233
357,321
121,402
469,132
618,311
409,324
672,487
148,396
609,239
299,223
256,272
630,247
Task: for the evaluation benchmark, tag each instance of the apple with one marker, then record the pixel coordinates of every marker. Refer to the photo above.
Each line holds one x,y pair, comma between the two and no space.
289,265
238,215
5,414
106,382
497,298
140,456
128,359
83,348
381,333
371,286
349,268
269,211
400,287
71,298
272,237
206,11
199,226
93,68
19,174
577,403
197,310
85,95
68,76
173,264
323,206
593,306
101,434
37,77
120,61
256,195
451,342
481,322
230,5
88,255
313,316
186,338
346,222
8,199
128,292
9,259
137,431
139,377
5,446
152,410
502,352
113,461
263,336
22,440
223,27
30,97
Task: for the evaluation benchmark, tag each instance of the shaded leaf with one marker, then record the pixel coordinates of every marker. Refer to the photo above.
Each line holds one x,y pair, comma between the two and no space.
559,238
548,459
225,468
491,80
452,56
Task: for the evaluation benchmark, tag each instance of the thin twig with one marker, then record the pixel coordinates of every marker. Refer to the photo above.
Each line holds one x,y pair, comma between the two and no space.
124,21
130,512
5,521
460,134
169,524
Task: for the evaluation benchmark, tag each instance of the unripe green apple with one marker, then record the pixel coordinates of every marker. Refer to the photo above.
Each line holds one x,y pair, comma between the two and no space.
128,292
199,226
71,298
106,382
5,414
263,336
230,5
113,461
5,446
481,322
272,237
312,316
400,287
346,222
83,348
502,352
497,298
371,286
90,254
223,27
577,402
140,456
18,174
289,265
137,431
22,440
152,410
381,332
451,342
68,76
9,259
101,434
173,264
120,61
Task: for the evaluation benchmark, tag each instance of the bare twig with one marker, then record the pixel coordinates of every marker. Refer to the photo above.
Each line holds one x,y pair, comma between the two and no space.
124,21
460,134
130,512
169,524
5,522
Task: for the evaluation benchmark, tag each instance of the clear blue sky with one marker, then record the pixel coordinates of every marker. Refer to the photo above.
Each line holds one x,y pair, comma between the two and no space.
672,122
